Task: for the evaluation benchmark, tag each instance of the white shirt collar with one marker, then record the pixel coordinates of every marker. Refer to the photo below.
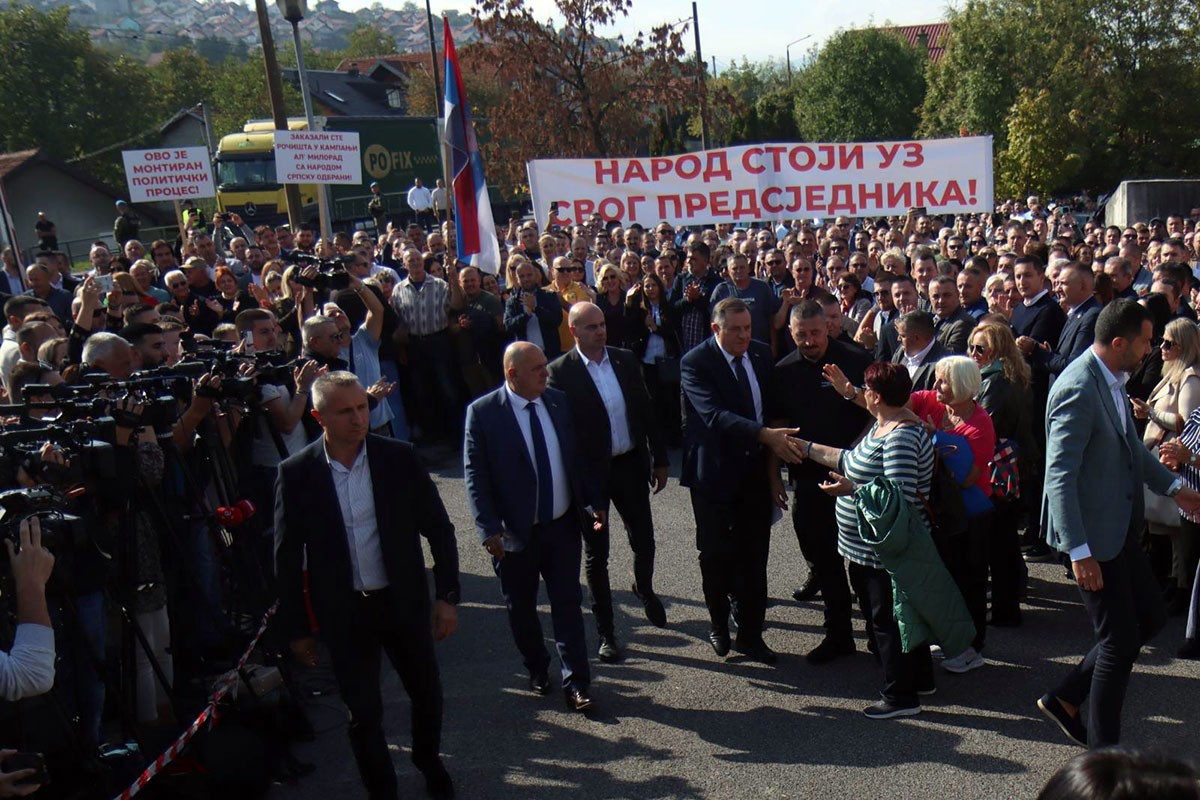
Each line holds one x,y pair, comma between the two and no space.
1114,381
333,462
919,358
587,362
516,399
730,357
1036,297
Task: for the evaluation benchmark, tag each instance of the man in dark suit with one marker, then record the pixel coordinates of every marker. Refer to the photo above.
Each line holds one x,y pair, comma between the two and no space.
1096,468
356,505
904,300
952,323
1040,319
804,397
726,382
918,350
624,453
529,493
533,314
1075,290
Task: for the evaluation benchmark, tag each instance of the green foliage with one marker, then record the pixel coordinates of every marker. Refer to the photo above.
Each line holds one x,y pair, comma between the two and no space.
368,41
1073,93
59,92
864,85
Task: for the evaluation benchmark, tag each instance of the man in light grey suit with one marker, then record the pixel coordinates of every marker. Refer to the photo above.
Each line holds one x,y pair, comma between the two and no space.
1092,510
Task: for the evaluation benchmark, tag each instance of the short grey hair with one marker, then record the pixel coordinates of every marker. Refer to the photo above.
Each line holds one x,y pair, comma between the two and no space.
172,275
962,375
312,326
329,383
101,346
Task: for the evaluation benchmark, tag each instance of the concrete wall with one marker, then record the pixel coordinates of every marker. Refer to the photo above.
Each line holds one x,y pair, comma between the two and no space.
80,211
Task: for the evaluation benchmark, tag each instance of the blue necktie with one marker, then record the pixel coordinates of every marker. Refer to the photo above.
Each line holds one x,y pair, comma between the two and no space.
743,379
541,458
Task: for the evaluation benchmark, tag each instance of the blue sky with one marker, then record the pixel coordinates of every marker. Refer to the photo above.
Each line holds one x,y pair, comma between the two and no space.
755,29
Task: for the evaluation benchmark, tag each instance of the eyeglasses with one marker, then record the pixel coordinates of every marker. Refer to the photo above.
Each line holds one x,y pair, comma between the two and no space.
570,269
1167,344
177,285
977,349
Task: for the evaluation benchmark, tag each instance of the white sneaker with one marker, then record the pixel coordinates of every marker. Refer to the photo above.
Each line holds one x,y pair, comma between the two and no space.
965,661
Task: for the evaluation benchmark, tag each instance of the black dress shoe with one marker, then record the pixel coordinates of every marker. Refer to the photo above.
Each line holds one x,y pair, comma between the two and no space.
539,682
653,607
756,650
829,649
609,652
577,699
438,783
1072,727
719,639
809,591
1190,649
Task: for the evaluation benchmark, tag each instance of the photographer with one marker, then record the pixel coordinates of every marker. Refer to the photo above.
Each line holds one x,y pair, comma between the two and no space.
329,340
279,432
28,669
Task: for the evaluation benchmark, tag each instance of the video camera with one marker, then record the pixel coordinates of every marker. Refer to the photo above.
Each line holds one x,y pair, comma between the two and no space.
331,272
86,445
59,528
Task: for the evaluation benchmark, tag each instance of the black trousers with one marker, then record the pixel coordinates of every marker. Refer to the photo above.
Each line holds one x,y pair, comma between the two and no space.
1126,613
903,673
966,557
1004,560
552,554
815,522
629,490
435,379
734,540
667,402
408,644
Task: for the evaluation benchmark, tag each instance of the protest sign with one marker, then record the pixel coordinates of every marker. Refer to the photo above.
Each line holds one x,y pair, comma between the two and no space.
175,173
317,157
769,181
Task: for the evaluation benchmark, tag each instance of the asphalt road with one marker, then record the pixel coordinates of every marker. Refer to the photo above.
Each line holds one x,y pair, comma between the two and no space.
674,721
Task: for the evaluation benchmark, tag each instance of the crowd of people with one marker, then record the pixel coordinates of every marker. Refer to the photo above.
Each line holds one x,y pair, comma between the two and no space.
925,395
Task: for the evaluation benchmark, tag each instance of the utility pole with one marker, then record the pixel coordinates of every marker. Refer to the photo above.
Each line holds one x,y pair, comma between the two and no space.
700,84
275,91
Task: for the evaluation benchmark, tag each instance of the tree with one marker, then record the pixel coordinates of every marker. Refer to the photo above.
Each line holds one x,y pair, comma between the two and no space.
574,93
1115,76
832,105
366,40
72,103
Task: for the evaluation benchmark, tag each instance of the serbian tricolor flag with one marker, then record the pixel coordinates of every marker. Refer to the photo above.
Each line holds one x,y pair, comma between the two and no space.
475,232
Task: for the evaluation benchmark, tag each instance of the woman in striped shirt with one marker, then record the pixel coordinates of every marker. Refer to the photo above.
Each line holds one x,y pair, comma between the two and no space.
1183,456
896,447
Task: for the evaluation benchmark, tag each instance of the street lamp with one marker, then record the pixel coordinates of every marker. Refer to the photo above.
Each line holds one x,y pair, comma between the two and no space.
787,50
293,11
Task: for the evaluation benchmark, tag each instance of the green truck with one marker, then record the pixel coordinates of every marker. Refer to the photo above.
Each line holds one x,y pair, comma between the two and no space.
394,151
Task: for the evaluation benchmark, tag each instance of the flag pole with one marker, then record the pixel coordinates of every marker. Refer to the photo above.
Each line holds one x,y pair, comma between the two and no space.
440,113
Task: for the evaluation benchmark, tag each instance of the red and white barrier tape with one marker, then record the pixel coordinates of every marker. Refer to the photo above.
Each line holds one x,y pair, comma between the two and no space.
209,714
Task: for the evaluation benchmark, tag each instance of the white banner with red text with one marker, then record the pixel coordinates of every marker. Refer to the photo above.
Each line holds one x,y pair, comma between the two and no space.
169,173
770,181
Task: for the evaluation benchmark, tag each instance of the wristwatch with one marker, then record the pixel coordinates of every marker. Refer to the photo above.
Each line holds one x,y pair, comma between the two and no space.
450,597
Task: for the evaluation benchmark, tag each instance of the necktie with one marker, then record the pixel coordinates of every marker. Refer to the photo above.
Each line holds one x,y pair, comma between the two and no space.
743,379
541,459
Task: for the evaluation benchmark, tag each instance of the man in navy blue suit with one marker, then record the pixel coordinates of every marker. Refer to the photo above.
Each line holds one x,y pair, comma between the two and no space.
530,499
725,389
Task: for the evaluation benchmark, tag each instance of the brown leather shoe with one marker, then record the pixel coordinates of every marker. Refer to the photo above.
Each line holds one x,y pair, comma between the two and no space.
577,699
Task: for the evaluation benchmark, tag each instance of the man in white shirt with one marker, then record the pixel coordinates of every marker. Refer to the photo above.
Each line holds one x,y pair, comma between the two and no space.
438,199
350,510
420,200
